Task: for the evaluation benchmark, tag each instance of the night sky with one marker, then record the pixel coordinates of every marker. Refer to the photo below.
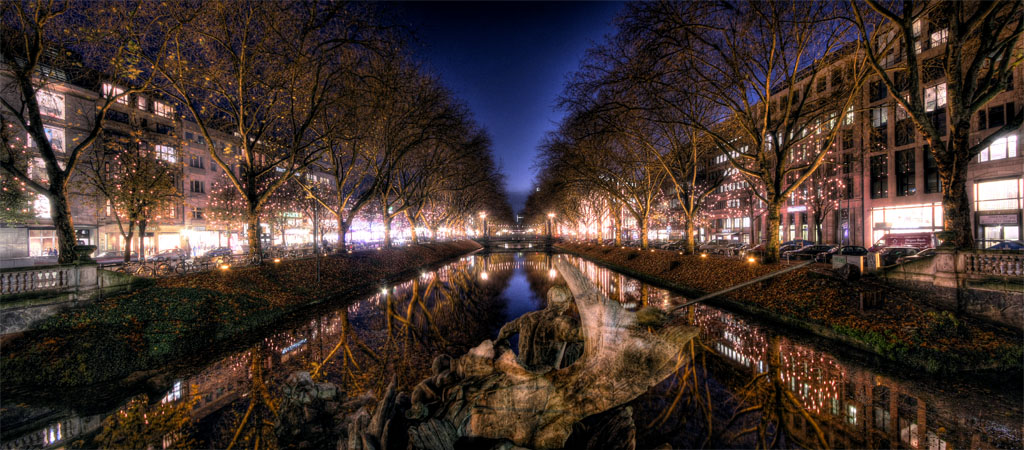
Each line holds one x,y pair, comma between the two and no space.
508,61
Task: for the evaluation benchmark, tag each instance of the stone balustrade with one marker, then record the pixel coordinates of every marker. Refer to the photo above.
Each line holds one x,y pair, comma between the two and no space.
991,263
34,279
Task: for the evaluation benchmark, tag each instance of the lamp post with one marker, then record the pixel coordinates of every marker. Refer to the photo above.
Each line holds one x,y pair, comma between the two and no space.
551,215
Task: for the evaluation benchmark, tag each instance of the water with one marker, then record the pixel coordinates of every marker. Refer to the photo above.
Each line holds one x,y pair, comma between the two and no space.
808,393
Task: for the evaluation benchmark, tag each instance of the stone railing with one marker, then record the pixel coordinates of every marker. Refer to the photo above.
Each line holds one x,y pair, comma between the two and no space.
991,263
34,279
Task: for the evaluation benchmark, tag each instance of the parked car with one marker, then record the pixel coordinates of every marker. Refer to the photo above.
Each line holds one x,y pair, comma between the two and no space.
1008,245
807,252
851,250
798,243
170,255
218,252
926,253
891,255
114,256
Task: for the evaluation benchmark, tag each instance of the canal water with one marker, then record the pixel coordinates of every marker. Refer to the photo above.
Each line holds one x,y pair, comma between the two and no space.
745,384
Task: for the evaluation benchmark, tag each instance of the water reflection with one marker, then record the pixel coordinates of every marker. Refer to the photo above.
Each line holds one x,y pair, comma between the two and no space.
744,384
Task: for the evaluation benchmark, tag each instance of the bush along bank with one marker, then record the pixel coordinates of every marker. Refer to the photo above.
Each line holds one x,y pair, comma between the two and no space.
901,329
183,316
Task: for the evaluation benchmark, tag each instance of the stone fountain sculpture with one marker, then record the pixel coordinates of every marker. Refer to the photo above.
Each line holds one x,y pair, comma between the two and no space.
490,396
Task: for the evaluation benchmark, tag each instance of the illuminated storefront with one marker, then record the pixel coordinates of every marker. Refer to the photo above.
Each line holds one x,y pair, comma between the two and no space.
906,219
997,206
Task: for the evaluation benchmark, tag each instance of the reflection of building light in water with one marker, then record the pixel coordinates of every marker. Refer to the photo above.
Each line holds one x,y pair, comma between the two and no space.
293,347
174,394
552,274
52,435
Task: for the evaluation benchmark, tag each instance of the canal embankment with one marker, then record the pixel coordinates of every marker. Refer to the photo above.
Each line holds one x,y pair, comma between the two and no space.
892,324
124,336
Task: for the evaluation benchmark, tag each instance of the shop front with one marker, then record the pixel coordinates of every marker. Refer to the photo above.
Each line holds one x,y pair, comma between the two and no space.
997,205
905,219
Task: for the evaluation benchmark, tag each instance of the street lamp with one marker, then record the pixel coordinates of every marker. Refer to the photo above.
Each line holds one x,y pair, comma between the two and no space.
551,215
483,217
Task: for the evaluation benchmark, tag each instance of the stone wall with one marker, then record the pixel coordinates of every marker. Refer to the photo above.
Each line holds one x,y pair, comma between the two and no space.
985,284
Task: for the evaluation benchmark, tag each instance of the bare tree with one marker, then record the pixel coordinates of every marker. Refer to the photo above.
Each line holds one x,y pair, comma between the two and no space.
264,72
136,185
978,61
46,43
768,114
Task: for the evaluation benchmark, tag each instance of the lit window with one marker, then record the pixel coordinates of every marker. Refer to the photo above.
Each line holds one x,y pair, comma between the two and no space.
939,37
879,116
1004,147
53,134
848,120
917,27
165,153
998,195
50,104
162,109
935,97
141,102
174,394
111,91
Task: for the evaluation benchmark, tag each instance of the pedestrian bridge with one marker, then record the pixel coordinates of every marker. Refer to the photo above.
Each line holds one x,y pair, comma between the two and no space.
515,243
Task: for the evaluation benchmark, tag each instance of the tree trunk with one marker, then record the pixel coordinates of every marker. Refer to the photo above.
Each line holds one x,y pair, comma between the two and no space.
128,241
690,243
252,219
956,208
387,231
818,238
643,234
342,231
771,251
142,240
60,214
412,228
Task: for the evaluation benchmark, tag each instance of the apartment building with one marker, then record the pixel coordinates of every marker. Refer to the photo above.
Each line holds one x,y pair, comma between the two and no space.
67,107
884,178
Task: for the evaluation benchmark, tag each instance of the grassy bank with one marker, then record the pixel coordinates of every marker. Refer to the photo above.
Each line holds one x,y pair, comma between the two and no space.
902,330
176,317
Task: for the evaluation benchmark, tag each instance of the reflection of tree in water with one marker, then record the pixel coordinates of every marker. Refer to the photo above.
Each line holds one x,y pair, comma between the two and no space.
253,427
445,311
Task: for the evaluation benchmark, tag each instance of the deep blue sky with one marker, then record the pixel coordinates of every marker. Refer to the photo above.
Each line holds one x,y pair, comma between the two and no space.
508,61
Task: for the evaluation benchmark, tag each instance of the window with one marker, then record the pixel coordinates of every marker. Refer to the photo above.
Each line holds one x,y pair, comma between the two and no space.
1004,147
935,97
50,104
916,26
837,78
847,162
997,116
822,85
938,118
848,187
939,37
197,213
932,183
905,132
847,138
931,69
997,195
848,119
195,161
877,91
165,153
905,173
111,91
55,135
162,109
879,116
880,176
108,208
197,186
140,102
